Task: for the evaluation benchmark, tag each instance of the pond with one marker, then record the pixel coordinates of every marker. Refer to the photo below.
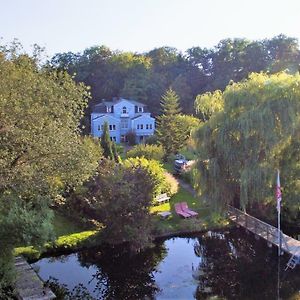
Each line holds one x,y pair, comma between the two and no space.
214,265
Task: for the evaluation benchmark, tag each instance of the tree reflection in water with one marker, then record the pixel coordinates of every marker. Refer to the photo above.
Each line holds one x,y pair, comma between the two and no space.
237,266
122,275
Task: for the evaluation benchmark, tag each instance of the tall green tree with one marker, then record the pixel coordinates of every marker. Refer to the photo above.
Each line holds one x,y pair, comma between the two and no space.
41,152
242,146
106,143
173,128
122,196
170,103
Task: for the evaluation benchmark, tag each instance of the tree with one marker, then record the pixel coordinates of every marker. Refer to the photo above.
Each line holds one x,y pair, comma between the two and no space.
155,152
167,128
208,104
122,196
42,152
173,129
242,146
170,103
106,143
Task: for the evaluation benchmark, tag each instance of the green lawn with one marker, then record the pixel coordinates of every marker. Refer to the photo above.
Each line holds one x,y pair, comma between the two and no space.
204,221
69,235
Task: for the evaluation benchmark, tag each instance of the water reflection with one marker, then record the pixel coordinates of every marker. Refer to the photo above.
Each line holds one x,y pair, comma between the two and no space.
121,275
226,265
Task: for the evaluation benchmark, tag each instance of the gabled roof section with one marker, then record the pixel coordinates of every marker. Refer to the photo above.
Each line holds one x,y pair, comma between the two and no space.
142,115
109,116
99,108
136,117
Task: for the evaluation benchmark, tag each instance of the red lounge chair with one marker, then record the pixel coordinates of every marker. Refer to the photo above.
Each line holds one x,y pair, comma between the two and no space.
186,209
180,212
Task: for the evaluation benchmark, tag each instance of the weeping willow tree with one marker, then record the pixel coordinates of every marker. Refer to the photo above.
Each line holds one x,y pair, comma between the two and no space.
242,145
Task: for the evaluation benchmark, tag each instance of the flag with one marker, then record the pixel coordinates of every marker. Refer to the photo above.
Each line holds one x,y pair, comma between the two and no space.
278,192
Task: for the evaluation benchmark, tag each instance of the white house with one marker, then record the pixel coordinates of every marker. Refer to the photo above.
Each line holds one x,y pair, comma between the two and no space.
123,116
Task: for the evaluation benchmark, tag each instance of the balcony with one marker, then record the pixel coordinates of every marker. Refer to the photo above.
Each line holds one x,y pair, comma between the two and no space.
124,115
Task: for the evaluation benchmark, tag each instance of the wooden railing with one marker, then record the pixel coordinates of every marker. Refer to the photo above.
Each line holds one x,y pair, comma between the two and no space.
258,227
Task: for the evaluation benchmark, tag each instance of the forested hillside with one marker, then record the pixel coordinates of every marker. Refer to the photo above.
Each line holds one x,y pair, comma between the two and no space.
146,76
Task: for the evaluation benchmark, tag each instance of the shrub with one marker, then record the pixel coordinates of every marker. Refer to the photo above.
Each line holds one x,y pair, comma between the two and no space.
151,140
147,151
172,181
131,138
155,171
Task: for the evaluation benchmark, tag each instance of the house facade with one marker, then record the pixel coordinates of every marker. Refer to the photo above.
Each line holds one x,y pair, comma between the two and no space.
123,116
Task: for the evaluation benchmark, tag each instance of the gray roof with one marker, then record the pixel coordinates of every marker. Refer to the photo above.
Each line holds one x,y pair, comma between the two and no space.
99,108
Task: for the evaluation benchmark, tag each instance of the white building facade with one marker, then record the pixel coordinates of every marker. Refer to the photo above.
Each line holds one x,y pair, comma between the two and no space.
123,116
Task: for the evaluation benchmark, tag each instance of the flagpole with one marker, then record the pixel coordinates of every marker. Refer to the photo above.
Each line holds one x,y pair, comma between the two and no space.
278,198
279,234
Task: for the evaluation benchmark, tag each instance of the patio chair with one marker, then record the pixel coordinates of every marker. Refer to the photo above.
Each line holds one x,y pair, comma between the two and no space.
186,209
180,212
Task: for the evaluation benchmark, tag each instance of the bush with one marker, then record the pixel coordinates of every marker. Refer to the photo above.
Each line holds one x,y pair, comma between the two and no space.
155,171
147,151
151,140
131,138
172,181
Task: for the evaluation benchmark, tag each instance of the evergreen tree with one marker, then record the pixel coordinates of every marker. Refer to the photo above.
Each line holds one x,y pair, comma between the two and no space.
115,152
168,130
170,103
106,143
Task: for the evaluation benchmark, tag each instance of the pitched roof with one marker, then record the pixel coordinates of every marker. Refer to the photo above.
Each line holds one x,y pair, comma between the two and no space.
99,108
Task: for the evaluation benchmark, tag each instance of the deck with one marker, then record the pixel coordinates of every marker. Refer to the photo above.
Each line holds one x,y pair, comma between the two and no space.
29,286
265,231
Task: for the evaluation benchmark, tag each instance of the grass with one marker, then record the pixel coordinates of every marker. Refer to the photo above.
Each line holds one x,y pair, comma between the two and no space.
69,236
205,220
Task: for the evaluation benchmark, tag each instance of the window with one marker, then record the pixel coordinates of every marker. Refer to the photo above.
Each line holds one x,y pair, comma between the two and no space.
142,126
124,110
138,126
110,127
98,127
150,126
114,139
124,123
147,126
114,127
111,138
102,127
140,109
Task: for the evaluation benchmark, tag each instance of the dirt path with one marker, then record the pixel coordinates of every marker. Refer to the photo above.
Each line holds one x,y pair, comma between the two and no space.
187,186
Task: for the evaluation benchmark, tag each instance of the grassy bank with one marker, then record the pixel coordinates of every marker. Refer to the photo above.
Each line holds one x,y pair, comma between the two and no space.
72,237
206,220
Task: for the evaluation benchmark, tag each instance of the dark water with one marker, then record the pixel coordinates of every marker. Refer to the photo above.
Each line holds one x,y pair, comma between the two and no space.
224,265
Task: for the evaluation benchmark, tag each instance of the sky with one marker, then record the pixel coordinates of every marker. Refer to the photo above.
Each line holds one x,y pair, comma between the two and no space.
141,25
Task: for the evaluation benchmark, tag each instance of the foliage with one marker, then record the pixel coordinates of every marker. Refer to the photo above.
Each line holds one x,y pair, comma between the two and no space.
170,103
148,151
242,146
174,129
209,103
172,181
42,152
122,196
154,171
145,77
106,143
151,140
131,138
